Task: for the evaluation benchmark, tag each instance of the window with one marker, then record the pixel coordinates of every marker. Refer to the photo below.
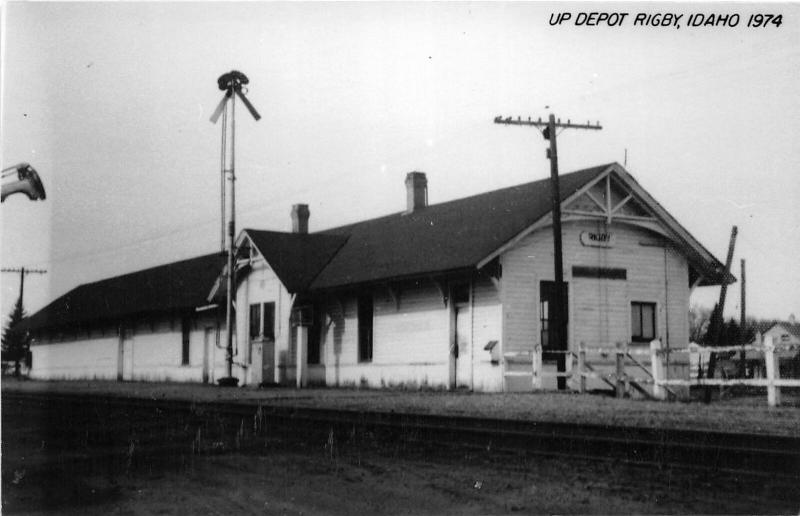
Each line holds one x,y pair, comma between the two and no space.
643,321
262,321
315,336
186,326
255,321
365,312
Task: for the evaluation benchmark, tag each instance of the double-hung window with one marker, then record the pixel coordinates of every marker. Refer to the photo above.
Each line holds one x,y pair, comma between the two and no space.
643,321
262,321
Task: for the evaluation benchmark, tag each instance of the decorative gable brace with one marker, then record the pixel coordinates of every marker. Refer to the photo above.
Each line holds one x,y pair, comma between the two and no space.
615,195
608,199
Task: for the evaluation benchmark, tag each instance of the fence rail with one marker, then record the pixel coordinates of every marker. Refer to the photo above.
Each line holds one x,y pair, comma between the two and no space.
655,377
773,382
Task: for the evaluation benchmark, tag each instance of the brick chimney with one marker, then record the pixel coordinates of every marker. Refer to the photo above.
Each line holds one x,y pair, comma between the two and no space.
300,216
416,191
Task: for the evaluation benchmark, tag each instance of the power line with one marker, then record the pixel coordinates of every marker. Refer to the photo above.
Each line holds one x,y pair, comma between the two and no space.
22,272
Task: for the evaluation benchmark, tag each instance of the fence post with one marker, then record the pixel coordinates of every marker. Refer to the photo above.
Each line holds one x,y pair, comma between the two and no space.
302,356
570,366
582,366
694,361
773,372
536,362
620,371
658,369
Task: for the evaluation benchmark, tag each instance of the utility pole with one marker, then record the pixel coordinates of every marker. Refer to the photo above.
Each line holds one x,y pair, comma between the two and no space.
22,272
717,319
557,310
742,322
232,84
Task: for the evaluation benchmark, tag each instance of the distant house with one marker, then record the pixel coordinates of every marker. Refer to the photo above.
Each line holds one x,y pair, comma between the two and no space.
458,294
783,333
785,336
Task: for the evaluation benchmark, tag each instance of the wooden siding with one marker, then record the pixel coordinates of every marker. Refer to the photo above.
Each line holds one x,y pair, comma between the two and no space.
157,353
599,308
262,286
486,327
410,341
81,359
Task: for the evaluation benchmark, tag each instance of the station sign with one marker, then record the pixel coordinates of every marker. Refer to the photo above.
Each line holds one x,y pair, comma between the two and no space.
597,239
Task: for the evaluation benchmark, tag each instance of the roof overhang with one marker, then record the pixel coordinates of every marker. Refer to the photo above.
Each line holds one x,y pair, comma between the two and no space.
435,276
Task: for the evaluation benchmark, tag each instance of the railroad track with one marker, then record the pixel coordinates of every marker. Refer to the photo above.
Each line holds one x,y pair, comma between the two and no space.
243,422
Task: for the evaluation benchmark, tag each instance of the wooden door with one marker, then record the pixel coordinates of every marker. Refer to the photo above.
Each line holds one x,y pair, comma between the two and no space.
256,362
463,345
460,346
548,334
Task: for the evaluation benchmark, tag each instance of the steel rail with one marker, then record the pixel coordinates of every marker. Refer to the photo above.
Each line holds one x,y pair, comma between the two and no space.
694,449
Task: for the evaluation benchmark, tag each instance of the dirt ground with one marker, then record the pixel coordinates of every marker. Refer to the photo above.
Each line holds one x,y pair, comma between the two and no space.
313,481
324,477
292,482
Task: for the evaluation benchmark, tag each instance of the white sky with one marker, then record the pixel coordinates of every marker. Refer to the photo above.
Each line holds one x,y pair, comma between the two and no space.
110,103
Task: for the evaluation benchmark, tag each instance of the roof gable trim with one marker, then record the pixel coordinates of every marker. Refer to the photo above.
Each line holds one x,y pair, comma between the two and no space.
543,221
659,218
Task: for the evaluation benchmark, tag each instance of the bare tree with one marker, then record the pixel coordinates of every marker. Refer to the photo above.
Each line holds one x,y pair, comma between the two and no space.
699,320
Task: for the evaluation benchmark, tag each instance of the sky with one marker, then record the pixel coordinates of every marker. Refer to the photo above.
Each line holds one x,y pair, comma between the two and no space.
110,102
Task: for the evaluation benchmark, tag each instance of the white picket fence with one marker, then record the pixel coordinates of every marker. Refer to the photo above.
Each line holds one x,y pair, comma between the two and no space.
654,373
773,382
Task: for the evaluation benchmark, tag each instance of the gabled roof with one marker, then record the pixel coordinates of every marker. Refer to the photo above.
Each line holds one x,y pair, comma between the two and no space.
296,258
458,235
793,328
441,237
763,326
712,270
467,233
175,286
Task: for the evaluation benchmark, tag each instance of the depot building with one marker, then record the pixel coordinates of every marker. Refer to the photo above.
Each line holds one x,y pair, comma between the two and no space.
451,295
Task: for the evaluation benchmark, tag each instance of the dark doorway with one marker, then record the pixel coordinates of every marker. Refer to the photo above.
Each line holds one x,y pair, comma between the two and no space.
549,333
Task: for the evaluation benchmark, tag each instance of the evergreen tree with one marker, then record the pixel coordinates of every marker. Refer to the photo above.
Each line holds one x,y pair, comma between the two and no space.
16,341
